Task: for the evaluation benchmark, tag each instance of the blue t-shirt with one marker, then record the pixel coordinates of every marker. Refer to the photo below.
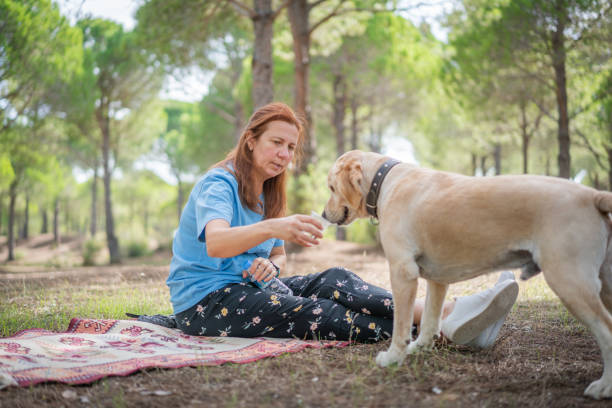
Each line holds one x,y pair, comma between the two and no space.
194,274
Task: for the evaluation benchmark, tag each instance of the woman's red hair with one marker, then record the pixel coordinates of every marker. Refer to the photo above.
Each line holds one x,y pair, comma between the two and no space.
241,159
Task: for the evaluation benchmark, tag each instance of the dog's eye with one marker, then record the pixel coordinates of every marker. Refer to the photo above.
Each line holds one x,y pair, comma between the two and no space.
331,189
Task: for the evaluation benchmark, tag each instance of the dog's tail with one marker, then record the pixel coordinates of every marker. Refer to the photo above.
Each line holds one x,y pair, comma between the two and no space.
603,201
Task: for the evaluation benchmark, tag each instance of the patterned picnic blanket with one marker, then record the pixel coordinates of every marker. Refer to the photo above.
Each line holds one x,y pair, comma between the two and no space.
91,349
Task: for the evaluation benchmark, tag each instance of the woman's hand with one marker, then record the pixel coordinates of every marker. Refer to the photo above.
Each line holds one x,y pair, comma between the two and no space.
261,269
223,241
299,229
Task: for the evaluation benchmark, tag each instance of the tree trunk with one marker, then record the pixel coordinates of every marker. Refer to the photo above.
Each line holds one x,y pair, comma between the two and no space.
524,138
596,183
45,222
609,151
56,233
26,218
236,65
68,220
558,60
497,158
525,154
354,130
93,223
238,120
338,122
298,11
262,64
11,221
483,165
339,110
111,239
474,158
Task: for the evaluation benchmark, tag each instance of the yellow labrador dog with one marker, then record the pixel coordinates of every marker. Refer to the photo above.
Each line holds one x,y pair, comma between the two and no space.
446,228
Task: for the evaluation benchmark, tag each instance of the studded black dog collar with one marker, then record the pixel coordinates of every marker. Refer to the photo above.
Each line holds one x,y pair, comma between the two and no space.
372,196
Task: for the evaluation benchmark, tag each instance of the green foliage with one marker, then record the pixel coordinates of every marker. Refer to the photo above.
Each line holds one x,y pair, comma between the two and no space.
37,47
61,85
145,201
186,32
603,96
362,231
309,190
7,174
91,251
208,136
123,86
506,58
135,249
28,158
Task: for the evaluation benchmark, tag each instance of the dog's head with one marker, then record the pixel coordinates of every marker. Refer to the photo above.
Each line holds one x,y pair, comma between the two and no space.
346,184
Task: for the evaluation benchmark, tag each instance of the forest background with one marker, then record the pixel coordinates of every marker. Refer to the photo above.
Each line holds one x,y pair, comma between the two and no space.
517,86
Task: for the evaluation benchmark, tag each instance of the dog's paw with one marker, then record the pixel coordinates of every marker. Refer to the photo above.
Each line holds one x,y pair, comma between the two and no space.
387,358
599,389
415,347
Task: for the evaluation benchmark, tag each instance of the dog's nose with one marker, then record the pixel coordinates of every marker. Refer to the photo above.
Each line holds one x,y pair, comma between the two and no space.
323,214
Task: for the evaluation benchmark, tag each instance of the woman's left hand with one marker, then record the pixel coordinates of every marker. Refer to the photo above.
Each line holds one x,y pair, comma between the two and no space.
261,270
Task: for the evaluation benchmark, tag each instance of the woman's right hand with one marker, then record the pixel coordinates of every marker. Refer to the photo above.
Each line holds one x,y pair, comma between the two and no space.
299,228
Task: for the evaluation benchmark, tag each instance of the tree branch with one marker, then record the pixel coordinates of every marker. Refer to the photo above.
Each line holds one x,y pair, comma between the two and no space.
583,108
337,12
315,4
326,18
280,9
228,117
536,123
543,110
590,147
535,76
21,110
243,9
15,92
212,13
390,10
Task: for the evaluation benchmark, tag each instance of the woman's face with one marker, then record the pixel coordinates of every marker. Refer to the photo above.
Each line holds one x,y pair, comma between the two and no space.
274,149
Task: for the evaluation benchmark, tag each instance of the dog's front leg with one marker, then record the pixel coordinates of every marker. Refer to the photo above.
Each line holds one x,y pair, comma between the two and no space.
430,321
404,284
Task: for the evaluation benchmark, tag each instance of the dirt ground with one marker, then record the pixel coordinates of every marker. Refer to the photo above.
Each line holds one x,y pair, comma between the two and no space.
542,357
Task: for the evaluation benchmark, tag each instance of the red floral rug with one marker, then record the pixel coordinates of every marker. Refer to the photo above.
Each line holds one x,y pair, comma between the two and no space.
92,349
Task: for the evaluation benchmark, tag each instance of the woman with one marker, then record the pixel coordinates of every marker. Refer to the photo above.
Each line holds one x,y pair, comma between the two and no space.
236,213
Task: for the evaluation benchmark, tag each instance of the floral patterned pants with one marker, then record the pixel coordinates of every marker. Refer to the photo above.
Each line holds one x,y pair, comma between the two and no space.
335,304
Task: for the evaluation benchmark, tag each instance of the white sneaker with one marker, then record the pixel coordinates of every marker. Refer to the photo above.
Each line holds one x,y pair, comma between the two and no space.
477,319
488,336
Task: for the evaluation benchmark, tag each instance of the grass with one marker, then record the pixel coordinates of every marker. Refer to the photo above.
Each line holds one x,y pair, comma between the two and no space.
25,305
543,356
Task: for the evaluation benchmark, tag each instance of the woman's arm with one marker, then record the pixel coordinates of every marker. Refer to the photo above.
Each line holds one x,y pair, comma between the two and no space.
279,257
223,241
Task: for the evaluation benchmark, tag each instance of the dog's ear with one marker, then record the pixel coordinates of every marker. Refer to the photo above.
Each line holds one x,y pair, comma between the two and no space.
355,175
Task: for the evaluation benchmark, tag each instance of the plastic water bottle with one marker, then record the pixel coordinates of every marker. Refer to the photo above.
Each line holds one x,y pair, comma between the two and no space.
274,284
261,284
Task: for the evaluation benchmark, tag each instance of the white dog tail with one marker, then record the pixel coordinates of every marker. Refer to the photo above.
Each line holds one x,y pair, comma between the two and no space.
603,201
